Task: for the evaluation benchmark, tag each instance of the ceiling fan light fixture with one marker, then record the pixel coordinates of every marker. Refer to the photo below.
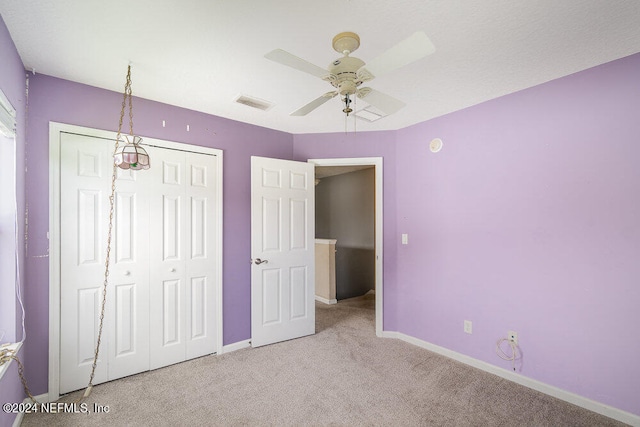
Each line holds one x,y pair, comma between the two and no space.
347,101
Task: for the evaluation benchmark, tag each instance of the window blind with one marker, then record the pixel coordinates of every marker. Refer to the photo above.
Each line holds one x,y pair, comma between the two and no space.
7,117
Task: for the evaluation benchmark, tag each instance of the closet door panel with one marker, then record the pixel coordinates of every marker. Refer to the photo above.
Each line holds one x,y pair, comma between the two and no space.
128,294
168,241
85,177
200,189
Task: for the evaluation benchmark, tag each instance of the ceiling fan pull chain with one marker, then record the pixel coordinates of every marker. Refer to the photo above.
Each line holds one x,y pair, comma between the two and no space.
355,108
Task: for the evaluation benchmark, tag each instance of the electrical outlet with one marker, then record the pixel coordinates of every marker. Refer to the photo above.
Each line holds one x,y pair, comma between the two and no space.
468,327
513,336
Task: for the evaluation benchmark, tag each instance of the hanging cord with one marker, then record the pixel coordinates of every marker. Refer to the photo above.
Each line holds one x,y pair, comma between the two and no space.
126,96
503,355
355,109
346,119
17,229
7,356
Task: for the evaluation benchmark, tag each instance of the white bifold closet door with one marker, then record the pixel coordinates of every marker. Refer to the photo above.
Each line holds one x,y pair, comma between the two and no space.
182,266
161,297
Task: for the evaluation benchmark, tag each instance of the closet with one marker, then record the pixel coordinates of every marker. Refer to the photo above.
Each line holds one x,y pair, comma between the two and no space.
161,300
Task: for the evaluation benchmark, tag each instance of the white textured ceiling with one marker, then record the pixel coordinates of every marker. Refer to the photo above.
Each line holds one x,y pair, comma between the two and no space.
201,54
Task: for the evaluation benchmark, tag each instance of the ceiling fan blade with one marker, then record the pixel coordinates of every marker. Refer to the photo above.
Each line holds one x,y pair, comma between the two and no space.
383,102
285,58
303,111
414,47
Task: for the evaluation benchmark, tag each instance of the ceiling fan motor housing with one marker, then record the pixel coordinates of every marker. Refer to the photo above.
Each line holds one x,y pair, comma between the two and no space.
345,70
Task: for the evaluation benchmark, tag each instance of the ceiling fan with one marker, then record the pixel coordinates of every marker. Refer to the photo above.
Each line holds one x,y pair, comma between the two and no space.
346,74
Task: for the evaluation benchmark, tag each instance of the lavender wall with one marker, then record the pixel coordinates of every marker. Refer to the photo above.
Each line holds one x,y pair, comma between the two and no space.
529,220
12,83
365,144
52,99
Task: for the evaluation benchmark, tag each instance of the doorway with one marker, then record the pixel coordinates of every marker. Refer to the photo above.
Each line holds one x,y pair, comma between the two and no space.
331,167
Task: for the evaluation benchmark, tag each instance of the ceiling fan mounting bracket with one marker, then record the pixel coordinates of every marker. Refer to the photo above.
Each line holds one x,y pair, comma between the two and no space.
346,42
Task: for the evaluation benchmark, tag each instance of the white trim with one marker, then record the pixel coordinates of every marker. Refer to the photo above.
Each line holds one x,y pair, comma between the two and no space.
15,349
326,301
326,241
17,421
54,259
41,398
55,129
235,346
575,399
377,162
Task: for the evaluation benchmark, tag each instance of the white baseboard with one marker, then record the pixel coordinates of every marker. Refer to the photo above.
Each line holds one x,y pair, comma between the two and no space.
235,346
592,405
18,419
326,301
42,398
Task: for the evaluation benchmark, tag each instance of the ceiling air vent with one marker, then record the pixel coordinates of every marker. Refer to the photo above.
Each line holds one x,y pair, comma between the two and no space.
370,114
252,102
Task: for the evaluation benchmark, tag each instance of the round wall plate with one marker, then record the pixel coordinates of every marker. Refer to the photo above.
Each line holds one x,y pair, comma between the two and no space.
435,145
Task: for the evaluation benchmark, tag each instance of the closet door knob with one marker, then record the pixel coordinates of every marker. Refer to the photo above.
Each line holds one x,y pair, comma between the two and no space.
172,270
127,273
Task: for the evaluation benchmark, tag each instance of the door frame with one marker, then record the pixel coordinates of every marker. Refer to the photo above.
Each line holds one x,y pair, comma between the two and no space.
55,238
379,238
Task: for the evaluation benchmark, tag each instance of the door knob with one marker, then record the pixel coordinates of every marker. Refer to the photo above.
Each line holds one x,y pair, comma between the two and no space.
259,261
127,273
172,270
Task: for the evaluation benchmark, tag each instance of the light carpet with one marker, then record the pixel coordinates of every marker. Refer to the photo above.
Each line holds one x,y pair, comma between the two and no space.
342,375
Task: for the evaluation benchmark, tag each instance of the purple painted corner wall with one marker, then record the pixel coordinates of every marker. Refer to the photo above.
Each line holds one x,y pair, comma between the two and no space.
12,83
527,220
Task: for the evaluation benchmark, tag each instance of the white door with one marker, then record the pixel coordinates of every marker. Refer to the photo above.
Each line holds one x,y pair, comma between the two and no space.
85,181
282,250
183,266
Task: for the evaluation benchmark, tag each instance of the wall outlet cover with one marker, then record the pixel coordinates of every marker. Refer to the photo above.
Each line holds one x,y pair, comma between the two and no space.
468,327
